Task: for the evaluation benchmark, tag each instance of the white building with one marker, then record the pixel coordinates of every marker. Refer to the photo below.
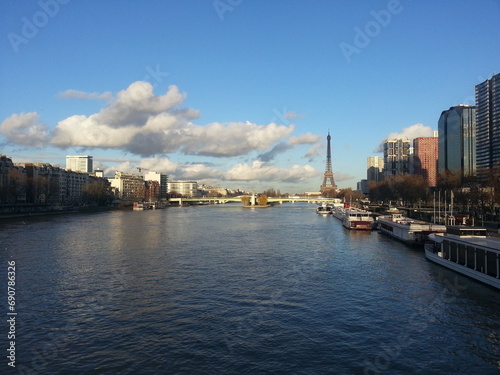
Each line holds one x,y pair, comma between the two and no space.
79,163
186,188
128,186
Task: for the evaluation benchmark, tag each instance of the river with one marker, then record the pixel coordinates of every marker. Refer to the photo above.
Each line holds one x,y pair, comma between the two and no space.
221,289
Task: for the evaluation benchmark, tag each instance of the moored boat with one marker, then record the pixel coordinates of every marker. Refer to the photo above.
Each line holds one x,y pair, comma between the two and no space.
357,219
338,212
467,250
138,206
324,209
408,230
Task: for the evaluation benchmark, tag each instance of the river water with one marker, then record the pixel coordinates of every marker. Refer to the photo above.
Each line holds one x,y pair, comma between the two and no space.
227,290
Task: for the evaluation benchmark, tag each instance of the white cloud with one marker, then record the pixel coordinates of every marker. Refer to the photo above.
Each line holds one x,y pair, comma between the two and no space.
24,129
314,152
409,133
198,172
260,171
126,167
304,139
82,95
340,177
291,115
140,122
159,164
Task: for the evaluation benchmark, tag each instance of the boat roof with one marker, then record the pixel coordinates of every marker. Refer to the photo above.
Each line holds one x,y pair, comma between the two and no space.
491,242
465,230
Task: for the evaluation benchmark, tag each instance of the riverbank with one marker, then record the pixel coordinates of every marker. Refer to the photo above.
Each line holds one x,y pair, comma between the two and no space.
69,210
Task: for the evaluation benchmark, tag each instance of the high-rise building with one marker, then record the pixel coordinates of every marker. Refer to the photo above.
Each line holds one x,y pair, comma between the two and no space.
425,158
488,125
162,181
374,168
362,186
396,157
79,163
457,141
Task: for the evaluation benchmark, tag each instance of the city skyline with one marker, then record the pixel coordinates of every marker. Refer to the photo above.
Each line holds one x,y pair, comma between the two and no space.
236,96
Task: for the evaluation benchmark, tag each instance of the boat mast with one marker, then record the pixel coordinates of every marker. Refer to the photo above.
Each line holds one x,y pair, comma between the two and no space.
439,206
445,208
434,209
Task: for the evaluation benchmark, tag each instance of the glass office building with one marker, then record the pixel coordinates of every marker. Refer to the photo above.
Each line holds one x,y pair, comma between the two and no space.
457,140
488,124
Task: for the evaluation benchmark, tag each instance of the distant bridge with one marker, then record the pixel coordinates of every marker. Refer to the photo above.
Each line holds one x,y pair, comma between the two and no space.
220,200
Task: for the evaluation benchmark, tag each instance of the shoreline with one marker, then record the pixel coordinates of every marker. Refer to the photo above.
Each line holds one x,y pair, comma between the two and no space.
18,215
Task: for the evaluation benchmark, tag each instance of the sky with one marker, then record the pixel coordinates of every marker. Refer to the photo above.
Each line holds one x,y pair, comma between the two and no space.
235,93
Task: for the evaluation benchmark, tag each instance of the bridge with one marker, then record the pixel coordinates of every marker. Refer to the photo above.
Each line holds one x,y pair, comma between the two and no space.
221,200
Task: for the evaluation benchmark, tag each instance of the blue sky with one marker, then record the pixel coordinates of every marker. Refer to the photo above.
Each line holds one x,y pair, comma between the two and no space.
235,93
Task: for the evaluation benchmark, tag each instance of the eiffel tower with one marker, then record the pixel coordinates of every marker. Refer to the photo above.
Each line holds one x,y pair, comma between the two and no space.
328,172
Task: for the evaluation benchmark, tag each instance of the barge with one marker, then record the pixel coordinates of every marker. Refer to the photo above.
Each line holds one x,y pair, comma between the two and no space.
357,220
467,250
410,231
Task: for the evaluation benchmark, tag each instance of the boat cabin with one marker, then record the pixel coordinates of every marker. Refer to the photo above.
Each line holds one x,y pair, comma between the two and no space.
460,230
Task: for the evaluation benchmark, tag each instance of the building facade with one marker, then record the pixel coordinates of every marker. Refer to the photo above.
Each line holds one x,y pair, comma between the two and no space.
374,168
457,141
488,125
128,186
42,183
362,186
396,157
186,188
152,191
162,180
425,158
13,181
79,163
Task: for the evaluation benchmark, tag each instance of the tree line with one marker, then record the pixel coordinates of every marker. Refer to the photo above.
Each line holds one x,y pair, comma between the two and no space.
469,193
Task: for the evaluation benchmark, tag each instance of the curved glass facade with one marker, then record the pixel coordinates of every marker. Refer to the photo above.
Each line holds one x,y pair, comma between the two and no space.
457,140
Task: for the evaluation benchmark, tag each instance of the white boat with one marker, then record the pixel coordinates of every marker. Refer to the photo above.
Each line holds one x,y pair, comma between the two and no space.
324,209
340,209
339,212
467,250
138,206
357,219
408,230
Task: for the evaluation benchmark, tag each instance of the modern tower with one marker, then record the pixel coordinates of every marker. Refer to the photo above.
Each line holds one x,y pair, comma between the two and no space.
396,157
425,158
162,180
79,163
488,125
374,168
457,141
328,171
